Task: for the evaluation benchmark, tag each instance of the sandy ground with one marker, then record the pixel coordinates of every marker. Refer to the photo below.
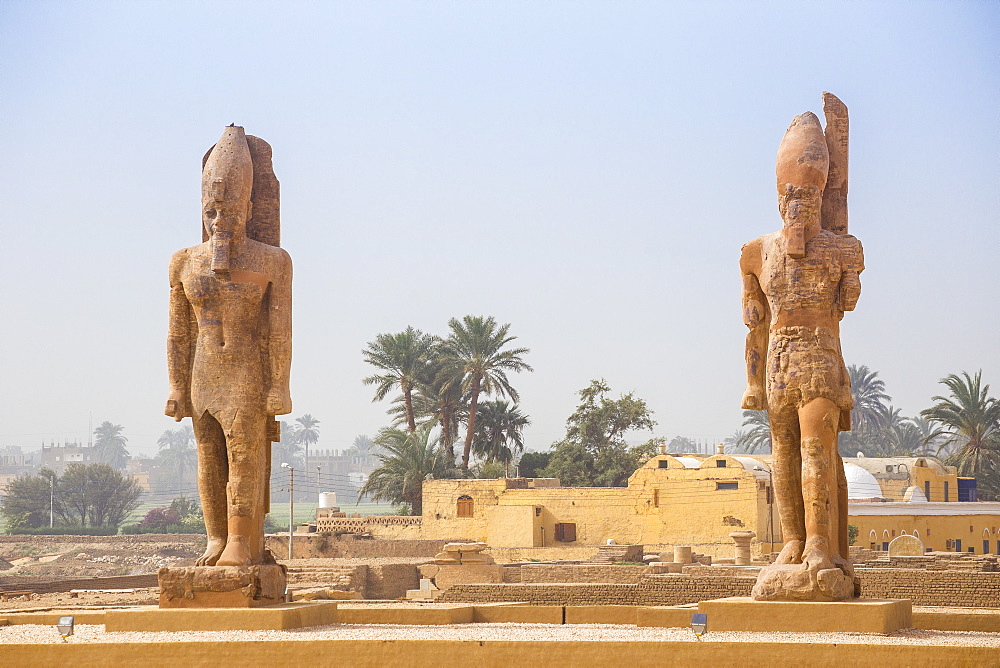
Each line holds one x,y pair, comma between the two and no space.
28,633
36,558
40,602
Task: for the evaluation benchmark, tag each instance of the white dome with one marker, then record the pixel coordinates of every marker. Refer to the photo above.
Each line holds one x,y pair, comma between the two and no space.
914,495
860,483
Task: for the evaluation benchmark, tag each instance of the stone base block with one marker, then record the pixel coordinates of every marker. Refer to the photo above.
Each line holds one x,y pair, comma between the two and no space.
795,582
859,615
222,586
448,576
273,618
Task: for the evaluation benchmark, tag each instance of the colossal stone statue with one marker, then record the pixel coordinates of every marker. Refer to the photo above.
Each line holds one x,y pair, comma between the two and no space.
797,284
229,344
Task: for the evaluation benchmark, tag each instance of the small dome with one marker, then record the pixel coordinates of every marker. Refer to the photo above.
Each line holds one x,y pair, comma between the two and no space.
860,483
914,494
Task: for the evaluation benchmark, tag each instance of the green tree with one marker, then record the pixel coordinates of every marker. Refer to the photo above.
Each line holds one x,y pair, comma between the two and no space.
306,434
499,430
408,459
25,500
681,444
870,399
178,453
94,495
437,400
756,437
476,352
869,424
113,496
109,445
970,422
594,451
401,358
532,464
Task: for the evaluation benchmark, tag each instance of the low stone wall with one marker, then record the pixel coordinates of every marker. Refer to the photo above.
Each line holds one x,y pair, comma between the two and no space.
932,588
320,546
539,573
391,581
506,555
922,587
120,582
655,590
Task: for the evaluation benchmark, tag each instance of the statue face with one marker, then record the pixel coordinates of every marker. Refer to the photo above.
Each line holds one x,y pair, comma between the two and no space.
800,212
224,218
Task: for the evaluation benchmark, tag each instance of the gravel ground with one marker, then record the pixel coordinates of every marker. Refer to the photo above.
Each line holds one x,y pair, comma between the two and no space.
30,633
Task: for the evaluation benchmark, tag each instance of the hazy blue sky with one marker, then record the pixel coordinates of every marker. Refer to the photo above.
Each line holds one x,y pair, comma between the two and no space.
584,171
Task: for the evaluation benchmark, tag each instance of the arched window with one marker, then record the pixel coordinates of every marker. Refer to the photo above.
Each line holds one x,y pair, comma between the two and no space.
465,506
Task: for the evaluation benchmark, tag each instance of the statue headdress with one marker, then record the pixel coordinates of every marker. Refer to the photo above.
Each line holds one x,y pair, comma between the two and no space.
803,158
254,155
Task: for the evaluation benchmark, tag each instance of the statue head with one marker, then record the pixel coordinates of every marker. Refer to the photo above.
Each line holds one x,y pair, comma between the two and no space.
226,185
802,167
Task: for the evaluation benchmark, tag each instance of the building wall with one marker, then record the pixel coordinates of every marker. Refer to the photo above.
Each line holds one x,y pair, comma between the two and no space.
688,500
662,504
934,526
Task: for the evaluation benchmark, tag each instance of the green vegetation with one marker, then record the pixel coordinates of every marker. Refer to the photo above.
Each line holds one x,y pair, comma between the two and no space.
178,453
594,452
409,459
183,515
442,383
92,495
970,430
109,445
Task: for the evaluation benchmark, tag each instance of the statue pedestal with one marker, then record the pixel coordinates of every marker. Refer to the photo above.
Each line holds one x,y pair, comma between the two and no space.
859,615
272,618
222,586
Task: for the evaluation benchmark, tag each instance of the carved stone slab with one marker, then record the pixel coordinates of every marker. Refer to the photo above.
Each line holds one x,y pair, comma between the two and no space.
222,586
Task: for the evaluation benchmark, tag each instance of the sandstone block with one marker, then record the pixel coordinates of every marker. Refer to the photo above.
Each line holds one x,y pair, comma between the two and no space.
222,586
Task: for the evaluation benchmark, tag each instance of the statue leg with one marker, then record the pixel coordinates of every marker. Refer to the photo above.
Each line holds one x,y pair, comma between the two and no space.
213,472
818,422
246,439
786,470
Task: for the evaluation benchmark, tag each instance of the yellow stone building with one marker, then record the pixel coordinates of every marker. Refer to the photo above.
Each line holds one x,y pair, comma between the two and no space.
698,500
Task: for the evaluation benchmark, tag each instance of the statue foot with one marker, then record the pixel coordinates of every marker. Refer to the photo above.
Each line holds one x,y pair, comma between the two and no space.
843,564
212,552
236,553
816,578
816,555
791,553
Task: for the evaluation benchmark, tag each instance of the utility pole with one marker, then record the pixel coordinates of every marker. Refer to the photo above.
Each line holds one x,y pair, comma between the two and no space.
291,505
52,498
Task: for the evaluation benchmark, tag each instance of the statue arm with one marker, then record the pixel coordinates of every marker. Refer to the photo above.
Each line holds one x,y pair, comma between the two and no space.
180,340
756,316
279,401
854,263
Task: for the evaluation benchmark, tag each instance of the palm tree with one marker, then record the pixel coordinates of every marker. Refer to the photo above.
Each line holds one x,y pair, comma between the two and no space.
931,435
178,453
868,393
401,357
681,444
970,421
287,450
307,433
757,436
480,364
498,431
408,460
109,445
437,400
